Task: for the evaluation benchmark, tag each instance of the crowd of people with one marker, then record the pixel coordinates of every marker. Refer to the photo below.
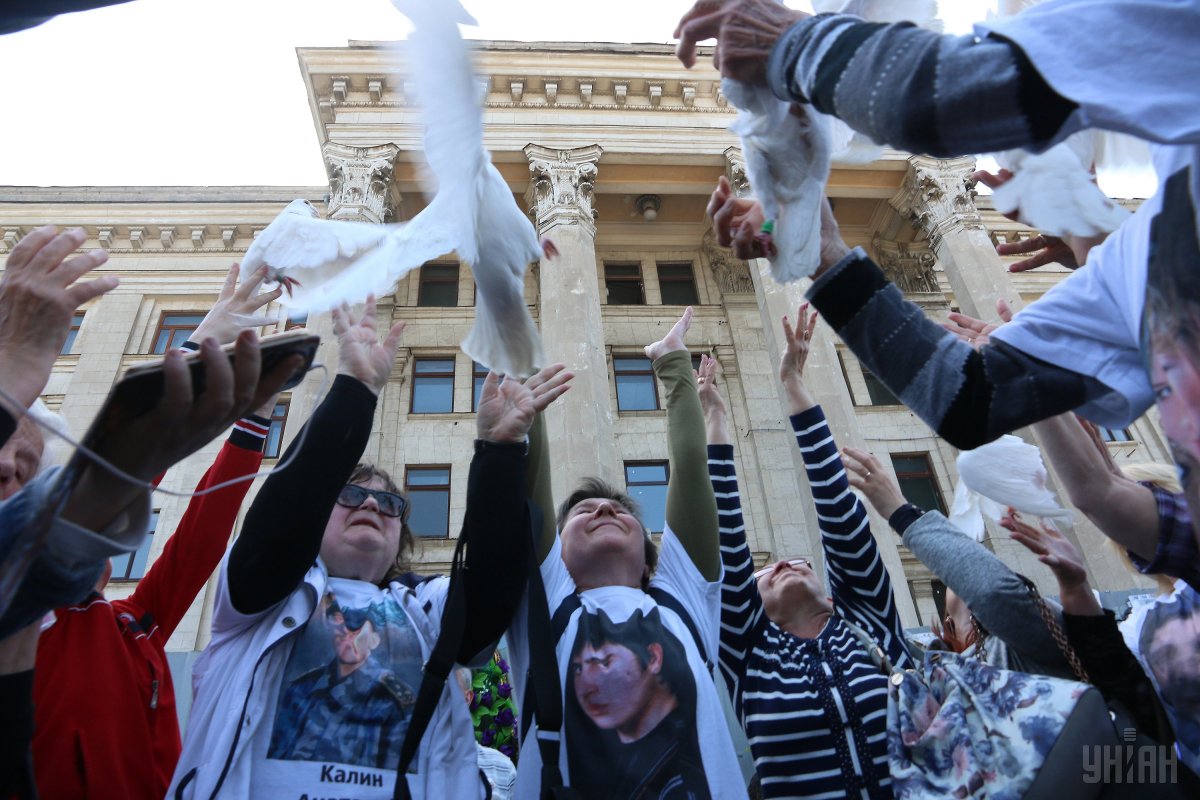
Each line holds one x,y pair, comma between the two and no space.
327,672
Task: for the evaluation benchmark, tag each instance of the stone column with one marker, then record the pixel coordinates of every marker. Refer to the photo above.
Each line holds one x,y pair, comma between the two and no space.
937,197
560,197
360,182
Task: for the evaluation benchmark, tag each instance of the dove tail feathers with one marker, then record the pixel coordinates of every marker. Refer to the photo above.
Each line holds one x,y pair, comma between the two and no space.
508,346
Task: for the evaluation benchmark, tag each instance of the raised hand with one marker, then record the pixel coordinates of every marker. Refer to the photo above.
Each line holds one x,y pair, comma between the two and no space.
360,353
1042,249
673,340
738,222
745,31
976,332
234,310
1052,549
507,407
798,339
706,383
868,475
38,295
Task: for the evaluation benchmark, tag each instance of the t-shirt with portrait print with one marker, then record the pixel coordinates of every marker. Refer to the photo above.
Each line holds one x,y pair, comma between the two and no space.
641,714
1169,650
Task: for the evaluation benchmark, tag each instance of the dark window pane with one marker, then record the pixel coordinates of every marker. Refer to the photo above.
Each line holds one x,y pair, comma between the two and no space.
677,284
478,375
1115,434
439,285
622,271
645,473
132,566
174,330
439,476
635,364
880,394
275,432
76,322
625,293
917,482
430,512
432,395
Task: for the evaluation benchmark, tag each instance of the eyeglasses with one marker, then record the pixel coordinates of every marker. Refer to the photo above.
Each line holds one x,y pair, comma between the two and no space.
390,504
793,562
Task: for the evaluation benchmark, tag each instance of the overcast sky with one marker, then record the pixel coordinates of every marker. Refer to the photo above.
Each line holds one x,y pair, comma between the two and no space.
208,92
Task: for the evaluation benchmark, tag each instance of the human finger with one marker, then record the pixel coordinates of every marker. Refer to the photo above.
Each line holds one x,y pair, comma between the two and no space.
177,388
552,381
1003,310
789,333
812,321
868,461
81,293
1040,260
491,385
989,179
75,268
745,245
392,340
50,257
341,322
967,323
542,401
217,396
367,320
229,287
1031,245
723,221
718,197
29,246
247,368
251,283
695,30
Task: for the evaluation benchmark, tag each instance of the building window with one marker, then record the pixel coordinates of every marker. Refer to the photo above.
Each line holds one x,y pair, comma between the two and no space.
1115,434
174,330
298,319
918,484
433,386
274,442
635,384
677,283
880,395
428,492
624,284
69,344
478,375
647,484
132,566
438,286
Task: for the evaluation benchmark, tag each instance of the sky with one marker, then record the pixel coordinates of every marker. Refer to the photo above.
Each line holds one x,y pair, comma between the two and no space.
208,92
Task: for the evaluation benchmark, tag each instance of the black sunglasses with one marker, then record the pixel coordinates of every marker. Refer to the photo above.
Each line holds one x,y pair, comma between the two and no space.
390,503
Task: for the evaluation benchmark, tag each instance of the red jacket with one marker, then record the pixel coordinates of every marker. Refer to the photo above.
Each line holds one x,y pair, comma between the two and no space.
104,704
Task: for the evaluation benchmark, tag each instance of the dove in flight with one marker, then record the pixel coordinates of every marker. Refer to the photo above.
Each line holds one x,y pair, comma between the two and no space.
789,149
473,213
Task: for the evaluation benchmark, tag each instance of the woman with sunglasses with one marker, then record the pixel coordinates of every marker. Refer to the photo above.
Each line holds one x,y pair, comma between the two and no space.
319,634
812,700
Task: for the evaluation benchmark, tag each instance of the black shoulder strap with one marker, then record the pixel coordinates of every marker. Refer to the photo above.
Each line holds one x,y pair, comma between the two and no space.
436,670
672,602
543,686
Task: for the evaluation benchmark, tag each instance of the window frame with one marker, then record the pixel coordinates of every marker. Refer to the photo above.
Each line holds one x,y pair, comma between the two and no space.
286,402
477,375
425,278
1114,435
617,373
930,474
163,326
690,280
639,280
412,392
425,487
72,333
868,377
630,486
148,542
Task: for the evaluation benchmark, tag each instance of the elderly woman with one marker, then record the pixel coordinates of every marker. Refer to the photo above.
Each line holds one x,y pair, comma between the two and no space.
812,700
318,635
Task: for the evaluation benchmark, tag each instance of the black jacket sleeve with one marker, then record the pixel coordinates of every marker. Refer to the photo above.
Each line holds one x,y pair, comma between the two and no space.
16,736
281,537
498,524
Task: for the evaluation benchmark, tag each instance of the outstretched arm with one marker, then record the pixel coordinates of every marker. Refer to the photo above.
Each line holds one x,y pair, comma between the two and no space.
741,607
537,475
691,507
282,534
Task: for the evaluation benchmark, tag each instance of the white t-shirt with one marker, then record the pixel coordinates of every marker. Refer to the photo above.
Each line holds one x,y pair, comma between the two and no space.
641,714
1091,323
342,708
1169,650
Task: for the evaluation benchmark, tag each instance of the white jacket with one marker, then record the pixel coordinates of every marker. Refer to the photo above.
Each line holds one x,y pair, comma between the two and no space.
243,667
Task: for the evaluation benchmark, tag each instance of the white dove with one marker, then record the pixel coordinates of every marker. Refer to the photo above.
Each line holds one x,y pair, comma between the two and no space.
493,235
323,262
1055,191
789,148
1006,473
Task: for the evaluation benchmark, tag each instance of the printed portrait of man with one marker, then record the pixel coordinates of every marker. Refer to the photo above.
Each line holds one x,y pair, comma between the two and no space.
631,696
1170,647
351,710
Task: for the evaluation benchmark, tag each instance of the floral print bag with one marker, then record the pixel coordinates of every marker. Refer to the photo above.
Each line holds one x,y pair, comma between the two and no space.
960,728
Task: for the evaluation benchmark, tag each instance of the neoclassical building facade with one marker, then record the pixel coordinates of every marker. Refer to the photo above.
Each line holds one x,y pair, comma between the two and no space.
613,149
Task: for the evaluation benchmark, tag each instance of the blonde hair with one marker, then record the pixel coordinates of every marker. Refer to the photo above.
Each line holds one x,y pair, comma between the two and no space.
51,426
1164,476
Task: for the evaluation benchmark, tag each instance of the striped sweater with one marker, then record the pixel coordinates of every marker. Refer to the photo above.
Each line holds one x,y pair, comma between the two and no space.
814,710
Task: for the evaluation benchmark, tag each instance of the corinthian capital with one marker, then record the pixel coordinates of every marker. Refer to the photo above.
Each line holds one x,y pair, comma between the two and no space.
360,181
735,171
561,186
937,196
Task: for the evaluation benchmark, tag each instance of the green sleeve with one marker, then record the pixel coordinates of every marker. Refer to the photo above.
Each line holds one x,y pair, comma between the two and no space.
691,506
